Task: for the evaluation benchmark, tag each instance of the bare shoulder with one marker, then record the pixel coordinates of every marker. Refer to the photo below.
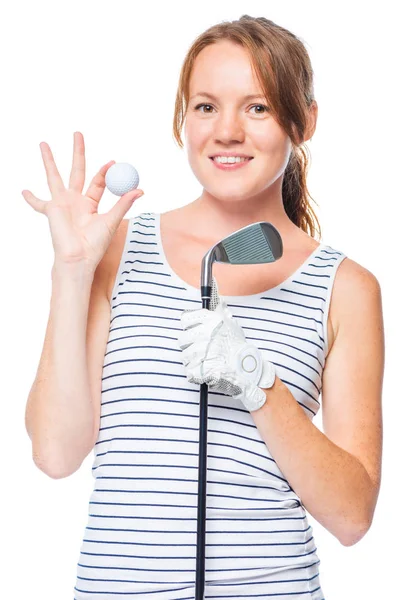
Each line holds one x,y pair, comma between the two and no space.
353,278
355,287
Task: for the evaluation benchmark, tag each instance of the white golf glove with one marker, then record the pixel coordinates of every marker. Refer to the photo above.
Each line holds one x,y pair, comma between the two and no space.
215,351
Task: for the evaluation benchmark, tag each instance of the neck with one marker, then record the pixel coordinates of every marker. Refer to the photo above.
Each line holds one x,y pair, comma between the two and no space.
213,218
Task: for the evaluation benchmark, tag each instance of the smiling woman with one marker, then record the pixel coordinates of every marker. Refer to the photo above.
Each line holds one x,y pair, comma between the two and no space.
112,376
234,64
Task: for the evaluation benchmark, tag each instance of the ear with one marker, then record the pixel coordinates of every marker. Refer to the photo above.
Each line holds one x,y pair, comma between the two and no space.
312,121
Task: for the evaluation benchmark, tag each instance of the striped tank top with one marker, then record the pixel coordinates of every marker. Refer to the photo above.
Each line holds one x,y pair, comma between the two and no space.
141,533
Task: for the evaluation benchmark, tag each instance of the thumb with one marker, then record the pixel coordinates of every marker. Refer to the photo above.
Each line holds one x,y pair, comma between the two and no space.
117,213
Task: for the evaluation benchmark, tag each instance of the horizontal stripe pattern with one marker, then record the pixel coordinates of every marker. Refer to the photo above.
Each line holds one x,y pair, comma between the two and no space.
141,533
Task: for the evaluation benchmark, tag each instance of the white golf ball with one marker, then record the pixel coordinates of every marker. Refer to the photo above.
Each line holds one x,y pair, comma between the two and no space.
121,178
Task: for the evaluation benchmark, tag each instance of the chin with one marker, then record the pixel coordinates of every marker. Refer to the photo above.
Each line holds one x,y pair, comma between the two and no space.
227,195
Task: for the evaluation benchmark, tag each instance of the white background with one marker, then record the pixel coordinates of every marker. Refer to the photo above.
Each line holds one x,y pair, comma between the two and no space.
110,70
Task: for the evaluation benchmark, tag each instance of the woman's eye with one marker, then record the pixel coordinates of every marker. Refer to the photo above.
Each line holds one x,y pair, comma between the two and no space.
201,105
266,109
262,106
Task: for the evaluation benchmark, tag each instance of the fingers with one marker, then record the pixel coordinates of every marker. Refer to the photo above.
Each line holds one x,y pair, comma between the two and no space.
77,177
38,205
98,183
53,176
117,213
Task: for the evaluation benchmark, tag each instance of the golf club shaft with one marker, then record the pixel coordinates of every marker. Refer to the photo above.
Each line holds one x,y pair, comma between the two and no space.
202,485
202,494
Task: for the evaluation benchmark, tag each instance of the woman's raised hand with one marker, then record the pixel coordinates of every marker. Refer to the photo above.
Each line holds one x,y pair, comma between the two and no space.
79,233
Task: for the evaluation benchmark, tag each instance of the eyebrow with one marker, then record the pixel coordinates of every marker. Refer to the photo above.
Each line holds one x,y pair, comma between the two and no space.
208,95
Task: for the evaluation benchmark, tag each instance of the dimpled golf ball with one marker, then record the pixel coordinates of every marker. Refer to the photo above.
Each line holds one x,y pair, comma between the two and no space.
121,178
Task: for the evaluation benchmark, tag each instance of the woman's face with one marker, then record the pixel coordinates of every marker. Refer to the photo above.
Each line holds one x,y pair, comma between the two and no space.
230,122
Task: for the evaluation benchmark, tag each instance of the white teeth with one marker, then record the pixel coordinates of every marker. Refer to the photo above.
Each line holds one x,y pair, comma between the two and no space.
229,159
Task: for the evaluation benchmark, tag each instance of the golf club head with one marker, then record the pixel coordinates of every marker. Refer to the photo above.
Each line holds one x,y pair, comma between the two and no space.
253,244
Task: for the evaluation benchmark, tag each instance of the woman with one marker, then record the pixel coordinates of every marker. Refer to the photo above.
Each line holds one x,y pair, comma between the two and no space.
113,376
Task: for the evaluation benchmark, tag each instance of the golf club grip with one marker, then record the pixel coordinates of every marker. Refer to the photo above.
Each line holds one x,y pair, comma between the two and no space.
202,494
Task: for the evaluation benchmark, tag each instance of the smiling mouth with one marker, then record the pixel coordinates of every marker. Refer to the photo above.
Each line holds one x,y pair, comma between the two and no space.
230,163
231,166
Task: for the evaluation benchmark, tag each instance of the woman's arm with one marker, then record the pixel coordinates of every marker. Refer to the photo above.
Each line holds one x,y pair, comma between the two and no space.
62,404
337,474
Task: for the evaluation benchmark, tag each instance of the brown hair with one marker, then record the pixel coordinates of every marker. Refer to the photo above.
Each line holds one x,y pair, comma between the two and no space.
283,68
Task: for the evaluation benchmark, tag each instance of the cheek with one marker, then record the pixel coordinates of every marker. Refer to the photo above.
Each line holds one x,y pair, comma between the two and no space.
197,133
273,144
266,135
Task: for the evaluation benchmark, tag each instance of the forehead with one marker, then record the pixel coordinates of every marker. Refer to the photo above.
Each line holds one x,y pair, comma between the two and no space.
223,68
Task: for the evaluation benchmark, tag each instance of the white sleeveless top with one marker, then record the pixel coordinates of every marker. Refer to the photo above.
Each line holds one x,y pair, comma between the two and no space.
141,533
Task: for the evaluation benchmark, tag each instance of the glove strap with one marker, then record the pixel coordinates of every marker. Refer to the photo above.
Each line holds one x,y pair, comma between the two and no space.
267,378
258,372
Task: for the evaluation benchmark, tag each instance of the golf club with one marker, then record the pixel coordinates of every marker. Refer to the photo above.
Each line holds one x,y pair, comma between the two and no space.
253,244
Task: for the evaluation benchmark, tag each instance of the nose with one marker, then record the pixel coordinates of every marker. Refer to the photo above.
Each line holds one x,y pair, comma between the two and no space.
228,128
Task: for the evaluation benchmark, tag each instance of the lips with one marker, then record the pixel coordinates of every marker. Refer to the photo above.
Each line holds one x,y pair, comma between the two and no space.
231,166
245,157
